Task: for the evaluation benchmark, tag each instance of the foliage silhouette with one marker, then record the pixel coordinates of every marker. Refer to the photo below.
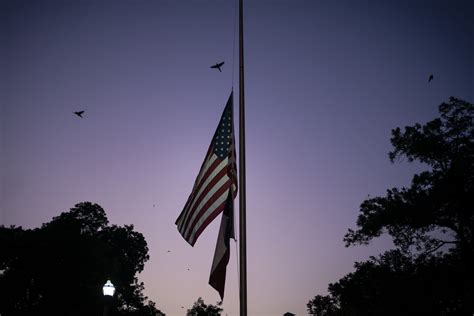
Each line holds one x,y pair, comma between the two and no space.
432,225
201,309
440,200
60,268
396,284
323,306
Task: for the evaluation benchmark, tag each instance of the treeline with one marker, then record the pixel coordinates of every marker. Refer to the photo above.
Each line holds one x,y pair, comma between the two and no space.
431,271
60,268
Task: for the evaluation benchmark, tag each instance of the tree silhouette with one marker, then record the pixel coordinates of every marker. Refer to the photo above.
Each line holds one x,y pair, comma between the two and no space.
60,268
440,200
395,284
201,309
323,306
432,225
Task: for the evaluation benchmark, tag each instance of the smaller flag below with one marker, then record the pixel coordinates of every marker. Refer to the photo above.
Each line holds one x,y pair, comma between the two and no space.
222,252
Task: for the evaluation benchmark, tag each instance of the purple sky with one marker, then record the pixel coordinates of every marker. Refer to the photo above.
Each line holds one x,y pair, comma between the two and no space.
326,81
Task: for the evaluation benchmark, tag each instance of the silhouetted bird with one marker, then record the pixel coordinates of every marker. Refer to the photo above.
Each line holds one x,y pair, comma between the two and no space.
430,78
79,113
218,66
169,251
188,269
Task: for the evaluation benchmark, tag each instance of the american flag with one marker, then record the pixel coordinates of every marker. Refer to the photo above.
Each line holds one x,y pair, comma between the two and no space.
218,173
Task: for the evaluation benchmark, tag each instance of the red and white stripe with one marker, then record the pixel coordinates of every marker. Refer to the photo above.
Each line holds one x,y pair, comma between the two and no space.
208,197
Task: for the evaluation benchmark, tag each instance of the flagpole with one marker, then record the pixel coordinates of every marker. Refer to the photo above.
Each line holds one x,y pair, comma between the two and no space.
242,201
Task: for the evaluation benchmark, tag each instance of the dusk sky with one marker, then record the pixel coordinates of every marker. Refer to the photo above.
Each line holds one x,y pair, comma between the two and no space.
326,81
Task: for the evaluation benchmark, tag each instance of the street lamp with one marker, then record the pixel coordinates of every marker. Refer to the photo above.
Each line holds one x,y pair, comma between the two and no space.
108,289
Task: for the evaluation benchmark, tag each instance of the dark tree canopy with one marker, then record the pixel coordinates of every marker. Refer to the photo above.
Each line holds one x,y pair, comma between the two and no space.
431,223
396,284
201,309
63,265
438,208
323,306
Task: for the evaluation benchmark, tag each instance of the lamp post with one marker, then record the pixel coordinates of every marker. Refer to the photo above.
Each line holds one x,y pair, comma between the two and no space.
108,289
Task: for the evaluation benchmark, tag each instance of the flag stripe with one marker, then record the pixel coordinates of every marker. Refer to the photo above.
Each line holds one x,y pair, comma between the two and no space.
202,170
213,195
214,210
210,161
209,167
217,171
217,208
209,183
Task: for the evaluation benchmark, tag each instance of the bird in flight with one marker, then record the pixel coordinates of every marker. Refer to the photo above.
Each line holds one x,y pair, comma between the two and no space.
218,66
169,251
430,78
79,113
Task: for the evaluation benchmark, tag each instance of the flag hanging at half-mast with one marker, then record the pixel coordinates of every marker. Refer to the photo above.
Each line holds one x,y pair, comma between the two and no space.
222,252
217,175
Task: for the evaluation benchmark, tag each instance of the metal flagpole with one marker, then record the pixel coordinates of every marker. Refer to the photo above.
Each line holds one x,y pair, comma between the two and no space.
242,203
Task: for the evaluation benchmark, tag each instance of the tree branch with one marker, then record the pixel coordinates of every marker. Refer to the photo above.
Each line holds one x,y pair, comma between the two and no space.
441,244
